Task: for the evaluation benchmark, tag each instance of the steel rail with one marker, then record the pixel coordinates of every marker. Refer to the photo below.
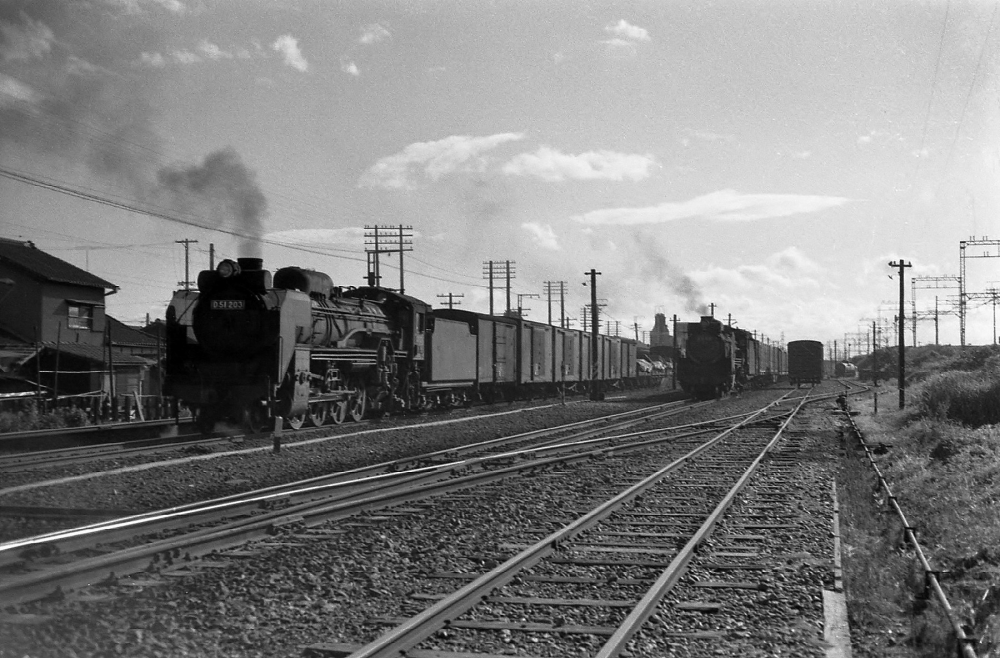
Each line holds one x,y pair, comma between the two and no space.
325,482
647,605
966,644
407,635
396,489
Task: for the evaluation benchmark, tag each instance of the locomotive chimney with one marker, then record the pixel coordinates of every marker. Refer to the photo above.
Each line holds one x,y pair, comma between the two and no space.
249,264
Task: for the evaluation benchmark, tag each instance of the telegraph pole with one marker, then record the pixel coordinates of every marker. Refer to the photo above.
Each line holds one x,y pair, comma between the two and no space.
187,262
551,287
492,270
451,299
902,265
372,237
595,388
674,355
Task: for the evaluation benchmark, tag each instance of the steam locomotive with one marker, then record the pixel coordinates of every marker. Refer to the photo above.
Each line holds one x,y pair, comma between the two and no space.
720,359
245,348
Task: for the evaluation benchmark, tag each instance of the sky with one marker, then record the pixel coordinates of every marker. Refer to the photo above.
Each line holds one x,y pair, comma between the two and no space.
762,160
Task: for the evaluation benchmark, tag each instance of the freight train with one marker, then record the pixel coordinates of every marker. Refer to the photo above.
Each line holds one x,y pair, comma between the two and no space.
719,359
245,347
805,362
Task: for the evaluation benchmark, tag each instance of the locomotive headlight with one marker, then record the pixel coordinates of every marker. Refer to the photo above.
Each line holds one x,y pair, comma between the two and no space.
227,268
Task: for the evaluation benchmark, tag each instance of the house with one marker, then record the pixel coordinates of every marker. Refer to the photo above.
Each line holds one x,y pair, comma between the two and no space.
49,299
54,329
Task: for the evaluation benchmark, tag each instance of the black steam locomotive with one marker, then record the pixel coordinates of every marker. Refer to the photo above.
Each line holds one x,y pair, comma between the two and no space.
244,349
719,359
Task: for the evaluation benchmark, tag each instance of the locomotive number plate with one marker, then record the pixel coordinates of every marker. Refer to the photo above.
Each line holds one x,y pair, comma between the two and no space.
227,304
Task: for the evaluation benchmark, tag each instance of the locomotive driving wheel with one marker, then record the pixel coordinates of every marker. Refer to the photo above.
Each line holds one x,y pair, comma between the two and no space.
338,412
358,403
296,422
317,413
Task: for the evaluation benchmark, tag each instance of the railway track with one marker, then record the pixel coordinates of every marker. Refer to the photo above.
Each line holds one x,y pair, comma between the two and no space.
228,521
76,437
611,570
97,446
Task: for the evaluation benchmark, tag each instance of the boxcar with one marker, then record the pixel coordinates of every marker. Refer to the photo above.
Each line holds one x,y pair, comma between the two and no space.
805,362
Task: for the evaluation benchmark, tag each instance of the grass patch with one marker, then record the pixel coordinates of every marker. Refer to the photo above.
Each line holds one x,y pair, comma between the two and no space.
30,419
945,475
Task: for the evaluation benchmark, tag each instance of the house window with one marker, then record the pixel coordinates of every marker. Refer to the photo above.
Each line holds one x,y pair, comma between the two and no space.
81,316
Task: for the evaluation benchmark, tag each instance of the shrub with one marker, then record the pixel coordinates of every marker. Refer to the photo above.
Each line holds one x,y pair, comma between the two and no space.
972,399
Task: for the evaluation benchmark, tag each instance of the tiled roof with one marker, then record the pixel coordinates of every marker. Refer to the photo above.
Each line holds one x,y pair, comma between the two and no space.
28,258
97,353
122,334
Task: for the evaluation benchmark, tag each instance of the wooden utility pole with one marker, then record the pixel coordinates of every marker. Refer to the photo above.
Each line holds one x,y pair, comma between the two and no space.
375,239
187,262
451,299
595,387
902,265
551,287
491,270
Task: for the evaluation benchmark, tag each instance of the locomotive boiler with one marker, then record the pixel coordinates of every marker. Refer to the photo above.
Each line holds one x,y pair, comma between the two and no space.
244,348
719,359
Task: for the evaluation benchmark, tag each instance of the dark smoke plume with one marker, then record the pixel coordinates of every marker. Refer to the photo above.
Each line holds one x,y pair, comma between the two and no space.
654,266
66,93
220,184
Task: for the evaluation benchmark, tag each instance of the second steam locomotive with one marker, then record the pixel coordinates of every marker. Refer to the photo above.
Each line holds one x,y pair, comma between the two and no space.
245,347
719,359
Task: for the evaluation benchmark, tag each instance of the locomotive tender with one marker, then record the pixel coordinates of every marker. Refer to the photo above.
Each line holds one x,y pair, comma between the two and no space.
245,348
719,359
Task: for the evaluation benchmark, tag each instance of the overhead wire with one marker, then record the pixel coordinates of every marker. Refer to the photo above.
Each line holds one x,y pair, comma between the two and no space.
975,76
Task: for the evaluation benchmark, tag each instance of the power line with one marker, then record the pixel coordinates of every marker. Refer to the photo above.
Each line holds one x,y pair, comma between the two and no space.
968,96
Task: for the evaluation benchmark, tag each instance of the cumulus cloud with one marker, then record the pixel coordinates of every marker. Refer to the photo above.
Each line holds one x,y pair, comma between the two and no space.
25,40
186,57
624,30
433,160
544,236
551,165
786,269
156,60
349,67
212,51
724,205
373,34
288,46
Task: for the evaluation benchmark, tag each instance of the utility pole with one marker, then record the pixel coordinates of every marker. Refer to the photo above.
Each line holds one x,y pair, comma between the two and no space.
403,237
635,323
495,268
675,353
211,257
451,299
551,287
875,363
595,388
711,310
902,265
187,262
523,295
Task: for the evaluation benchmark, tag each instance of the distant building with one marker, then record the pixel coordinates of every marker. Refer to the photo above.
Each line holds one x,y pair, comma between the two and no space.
52,319
49,297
